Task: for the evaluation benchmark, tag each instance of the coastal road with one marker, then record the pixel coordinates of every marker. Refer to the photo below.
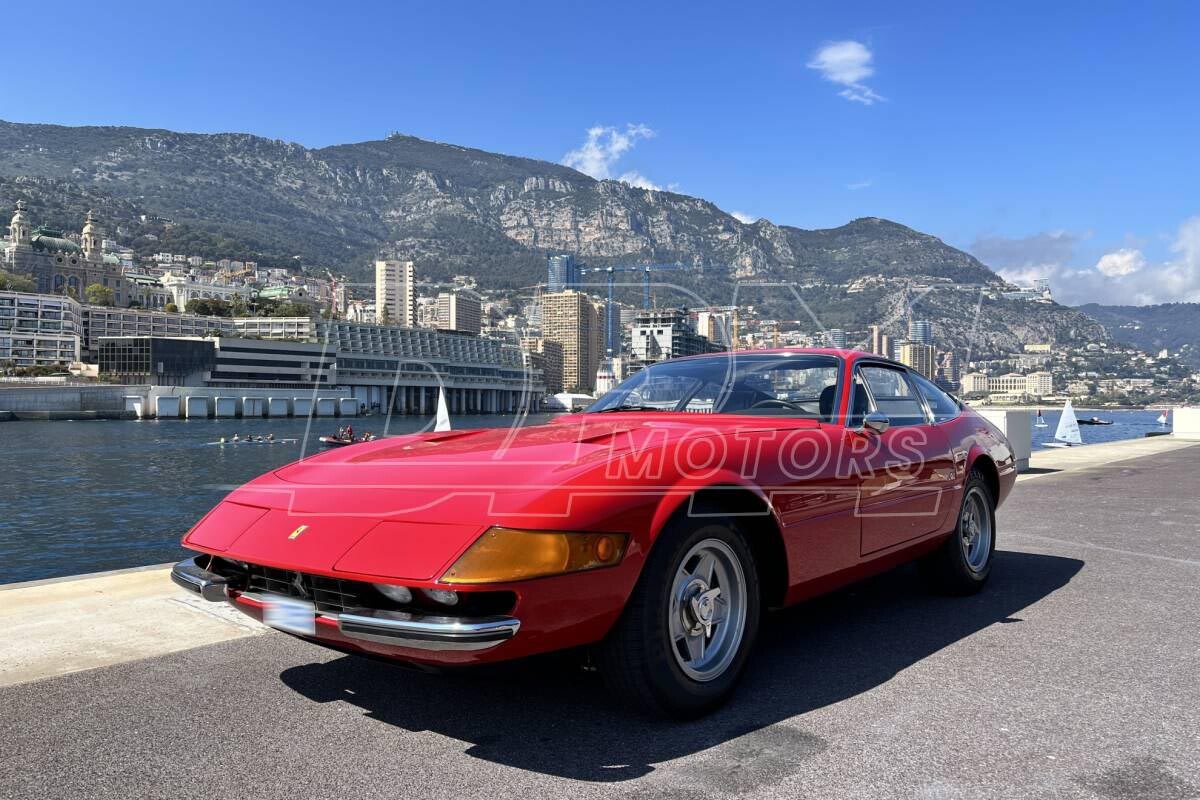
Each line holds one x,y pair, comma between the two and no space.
1075,674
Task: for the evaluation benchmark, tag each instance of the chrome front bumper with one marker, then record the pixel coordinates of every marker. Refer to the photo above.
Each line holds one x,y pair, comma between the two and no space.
195,578
400,628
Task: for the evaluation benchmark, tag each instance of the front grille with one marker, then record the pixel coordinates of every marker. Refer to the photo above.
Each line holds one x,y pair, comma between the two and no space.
329,595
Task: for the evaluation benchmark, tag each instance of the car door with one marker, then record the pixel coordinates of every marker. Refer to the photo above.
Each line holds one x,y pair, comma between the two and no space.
905,474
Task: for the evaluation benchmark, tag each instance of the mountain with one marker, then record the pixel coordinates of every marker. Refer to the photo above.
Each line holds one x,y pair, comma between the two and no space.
1173,326
455,210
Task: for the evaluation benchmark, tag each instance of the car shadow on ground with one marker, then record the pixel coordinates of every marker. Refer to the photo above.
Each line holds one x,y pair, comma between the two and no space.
545,716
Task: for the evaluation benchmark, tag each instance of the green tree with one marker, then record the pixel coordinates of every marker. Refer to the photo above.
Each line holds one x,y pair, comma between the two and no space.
99,295
16,283
171,308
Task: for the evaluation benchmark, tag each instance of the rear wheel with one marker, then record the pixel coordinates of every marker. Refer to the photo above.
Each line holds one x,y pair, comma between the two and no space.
686,632
964,561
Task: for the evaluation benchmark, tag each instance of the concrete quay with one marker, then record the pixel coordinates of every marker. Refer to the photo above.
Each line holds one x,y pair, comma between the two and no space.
1075,674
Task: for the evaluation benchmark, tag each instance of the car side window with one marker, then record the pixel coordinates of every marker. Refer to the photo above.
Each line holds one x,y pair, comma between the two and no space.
941,404
860,403
894,396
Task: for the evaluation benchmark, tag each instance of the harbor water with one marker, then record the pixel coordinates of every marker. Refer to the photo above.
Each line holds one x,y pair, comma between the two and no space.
97,495
1126,425
88,496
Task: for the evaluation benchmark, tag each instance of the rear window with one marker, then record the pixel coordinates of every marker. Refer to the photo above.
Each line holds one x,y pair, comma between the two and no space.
894,396
943,406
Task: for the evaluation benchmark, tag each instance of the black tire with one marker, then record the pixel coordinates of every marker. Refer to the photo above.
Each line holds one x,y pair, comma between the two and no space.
950,569
637,659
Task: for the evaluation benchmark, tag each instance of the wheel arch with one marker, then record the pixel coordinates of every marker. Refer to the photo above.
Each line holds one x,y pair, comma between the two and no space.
984,463
751,508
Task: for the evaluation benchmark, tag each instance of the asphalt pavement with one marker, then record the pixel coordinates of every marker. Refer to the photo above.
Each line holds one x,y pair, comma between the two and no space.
1075,674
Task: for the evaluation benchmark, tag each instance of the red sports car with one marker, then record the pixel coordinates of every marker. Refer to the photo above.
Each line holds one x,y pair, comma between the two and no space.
653,528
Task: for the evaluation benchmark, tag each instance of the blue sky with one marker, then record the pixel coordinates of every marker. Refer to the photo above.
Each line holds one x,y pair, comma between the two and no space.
1046,138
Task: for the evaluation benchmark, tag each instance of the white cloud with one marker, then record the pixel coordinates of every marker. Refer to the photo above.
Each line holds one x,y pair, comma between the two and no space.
637,179
854,187
1124,276
740,216
1125,261
603,147
848,64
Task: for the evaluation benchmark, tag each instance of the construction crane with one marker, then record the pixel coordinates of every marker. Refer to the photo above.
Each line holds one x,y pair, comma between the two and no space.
610,344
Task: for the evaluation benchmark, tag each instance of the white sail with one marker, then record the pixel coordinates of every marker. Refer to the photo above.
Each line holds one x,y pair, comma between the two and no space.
1068,426
1040,422
443,415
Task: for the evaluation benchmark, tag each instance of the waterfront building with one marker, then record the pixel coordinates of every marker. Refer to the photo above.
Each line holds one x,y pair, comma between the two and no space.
459,311
561,273
158,360
271,363
546,355
58,264
104,321
301,329
216,362
659,334
1014,383
920,331
974,383
38,330
836,337
570,318
1039,384
395,293
386,366
921,357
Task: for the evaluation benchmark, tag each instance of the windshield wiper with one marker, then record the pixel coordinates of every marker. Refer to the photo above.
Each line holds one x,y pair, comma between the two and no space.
628,408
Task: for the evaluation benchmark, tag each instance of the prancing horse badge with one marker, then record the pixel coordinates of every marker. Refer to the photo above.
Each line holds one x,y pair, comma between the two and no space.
296,533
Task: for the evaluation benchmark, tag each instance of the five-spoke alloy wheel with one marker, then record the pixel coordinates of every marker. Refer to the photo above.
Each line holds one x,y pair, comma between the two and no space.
684,637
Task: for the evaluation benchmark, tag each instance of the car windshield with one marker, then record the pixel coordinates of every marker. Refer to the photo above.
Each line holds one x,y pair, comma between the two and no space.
794,385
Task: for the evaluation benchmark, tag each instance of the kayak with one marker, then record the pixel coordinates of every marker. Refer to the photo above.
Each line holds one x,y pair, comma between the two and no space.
252,441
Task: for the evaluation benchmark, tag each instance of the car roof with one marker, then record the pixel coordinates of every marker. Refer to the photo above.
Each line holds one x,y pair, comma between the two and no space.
850,356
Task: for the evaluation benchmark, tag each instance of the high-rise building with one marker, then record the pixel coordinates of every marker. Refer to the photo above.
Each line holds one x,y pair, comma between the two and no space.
561,273
546,355
876,334
716,326
570,318
948,370
921,357
395,295
665,333
836,337
920,331
458,311
885,346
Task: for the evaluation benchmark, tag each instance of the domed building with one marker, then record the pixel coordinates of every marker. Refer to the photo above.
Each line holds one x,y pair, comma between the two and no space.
58,264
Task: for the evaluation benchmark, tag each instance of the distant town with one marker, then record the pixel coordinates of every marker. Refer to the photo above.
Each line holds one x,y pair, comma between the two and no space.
79,307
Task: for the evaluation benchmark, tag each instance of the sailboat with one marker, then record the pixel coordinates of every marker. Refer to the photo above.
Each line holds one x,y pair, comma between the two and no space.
1067,433
1040,422
443,415
1162,418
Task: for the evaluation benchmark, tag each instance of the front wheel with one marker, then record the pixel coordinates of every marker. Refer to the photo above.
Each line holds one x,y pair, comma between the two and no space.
686,632
964,561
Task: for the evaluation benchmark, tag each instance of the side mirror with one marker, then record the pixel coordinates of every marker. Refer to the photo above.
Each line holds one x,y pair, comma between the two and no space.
875,422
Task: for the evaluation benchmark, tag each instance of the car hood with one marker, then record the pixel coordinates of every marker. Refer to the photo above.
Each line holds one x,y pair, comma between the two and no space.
404,507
